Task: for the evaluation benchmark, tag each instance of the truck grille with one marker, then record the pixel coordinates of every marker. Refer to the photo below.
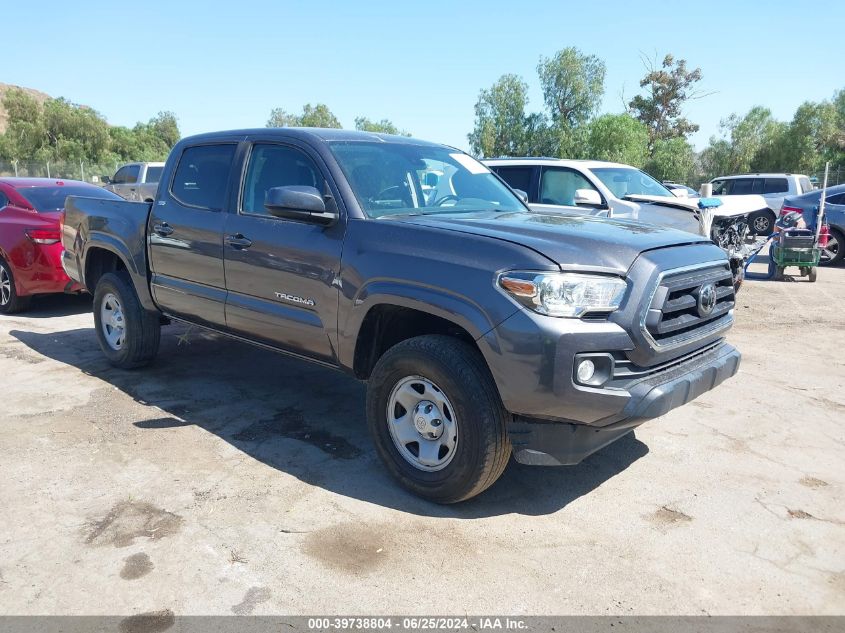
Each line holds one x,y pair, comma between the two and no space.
688,305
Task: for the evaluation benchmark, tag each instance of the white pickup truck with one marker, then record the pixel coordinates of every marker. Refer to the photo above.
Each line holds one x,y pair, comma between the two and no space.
137,182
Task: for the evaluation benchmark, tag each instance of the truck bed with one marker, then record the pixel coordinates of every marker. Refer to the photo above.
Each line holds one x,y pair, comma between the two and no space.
117,226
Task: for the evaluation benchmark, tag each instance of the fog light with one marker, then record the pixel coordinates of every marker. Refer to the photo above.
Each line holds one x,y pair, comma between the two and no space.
586,370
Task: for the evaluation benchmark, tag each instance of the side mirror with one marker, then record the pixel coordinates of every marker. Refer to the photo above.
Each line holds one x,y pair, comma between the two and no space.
301,203
106,180
431,179
522,195
588,198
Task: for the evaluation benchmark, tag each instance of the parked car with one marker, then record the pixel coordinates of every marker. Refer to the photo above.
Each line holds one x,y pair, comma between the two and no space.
482,328
834,216
681,191
30,237
136,181
773,187
621,191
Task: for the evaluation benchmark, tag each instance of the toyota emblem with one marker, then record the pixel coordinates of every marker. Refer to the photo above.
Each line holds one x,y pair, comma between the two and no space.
706,299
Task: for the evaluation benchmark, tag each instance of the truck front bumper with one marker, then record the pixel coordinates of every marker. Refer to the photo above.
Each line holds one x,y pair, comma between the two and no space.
557,421
546,443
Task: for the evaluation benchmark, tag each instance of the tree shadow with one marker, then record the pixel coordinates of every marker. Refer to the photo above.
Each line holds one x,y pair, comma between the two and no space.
305,420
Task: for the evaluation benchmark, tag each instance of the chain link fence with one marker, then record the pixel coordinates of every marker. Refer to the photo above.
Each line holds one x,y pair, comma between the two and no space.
68,170
836,176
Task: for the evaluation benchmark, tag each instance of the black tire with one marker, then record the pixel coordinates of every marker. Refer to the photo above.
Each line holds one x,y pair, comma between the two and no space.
141,330
813,274
10,301
762,222
834,252
483,448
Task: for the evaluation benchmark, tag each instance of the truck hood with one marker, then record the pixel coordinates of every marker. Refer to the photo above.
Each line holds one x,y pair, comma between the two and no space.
573,241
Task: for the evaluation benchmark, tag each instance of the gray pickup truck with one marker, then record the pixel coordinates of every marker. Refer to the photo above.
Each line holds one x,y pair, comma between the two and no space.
482,329
136,181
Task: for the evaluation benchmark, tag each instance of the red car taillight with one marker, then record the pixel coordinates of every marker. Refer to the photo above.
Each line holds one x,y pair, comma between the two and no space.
785,209
44,236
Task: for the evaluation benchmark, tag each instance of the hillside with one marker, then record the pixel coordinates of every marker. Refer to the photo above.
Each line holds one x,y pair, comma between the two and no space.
39,96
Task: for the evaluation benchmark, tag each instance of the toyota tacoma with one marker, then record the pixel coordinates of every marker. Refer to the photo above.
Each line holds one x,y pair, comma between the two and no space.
483,329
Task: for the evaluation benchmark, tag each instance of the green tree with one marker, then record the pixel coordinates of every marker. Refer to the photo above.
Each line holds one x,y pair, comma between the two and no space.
500,118
26,132
573,86
672,159
383,127
312,116
715,159
667,90
812,137
619,138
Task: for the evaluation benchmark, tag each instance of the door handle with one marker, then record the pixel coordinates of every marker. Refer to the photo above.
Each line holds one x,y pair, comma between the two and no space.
238,241
163,228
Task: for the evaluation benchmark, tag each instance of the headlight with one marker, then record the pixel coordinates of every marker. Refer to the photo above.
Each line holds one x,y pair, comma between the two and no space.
564,294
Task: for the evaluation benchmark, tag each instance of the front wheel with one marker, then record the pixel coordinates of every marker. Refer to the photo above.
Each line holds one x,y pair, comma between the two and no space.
436,418
129,335
762,222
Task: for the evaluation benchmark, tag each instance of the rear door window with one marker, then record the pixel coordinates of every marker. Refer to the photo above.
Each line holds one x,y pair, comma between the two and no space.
516,177
838,199
202,176
742,186
775,185
153,174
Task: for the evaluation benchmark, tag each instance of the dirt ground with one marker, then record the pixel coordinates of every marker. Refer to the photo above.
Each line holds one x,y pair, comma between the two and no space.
225,479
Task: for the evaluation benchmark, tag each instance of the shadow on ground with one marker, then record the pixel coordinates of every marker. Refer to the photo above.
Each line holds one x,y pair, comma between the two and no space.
57,305
305,420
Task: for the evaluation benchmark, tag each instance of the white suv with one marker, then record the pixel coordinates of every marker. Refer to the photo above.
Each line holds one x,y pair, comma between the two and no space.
773,187
614,190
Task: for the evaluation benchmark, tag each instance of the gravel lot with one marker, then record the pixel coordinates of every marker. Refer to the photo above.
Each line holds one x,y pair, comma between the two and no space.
225,479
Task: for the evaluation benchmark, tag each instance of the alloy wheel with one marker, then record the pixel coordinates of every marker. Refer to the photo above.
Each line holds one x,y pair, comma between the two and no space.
5,286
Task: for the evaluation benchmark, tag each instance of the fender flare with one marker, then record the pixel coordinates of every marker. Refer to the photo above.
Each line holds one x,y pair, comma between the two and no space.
135,265
439,302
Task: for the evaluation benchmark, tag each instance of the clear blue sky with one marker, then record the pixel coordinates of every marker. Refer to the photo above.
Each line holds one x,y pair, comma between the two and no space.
222,65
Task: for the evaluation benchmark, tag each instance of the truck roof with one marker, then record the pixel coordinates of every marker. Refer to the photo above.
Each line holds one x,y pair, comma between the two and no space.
325,135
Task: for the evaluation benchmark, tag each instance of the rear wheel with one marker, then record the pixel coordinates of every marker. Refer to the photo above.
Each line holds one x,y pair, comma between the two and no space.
762,222
129,335
436,418
10,301
833,252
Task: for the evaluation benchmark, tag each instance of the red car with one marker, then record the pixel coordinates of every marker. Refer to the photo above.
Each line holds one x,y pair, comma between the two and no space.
31,211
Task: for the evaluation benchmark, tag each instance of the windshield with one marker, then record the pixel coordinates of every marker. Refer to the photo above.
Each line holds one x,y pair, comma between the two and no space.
627,181
45,199
153,174
403,179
